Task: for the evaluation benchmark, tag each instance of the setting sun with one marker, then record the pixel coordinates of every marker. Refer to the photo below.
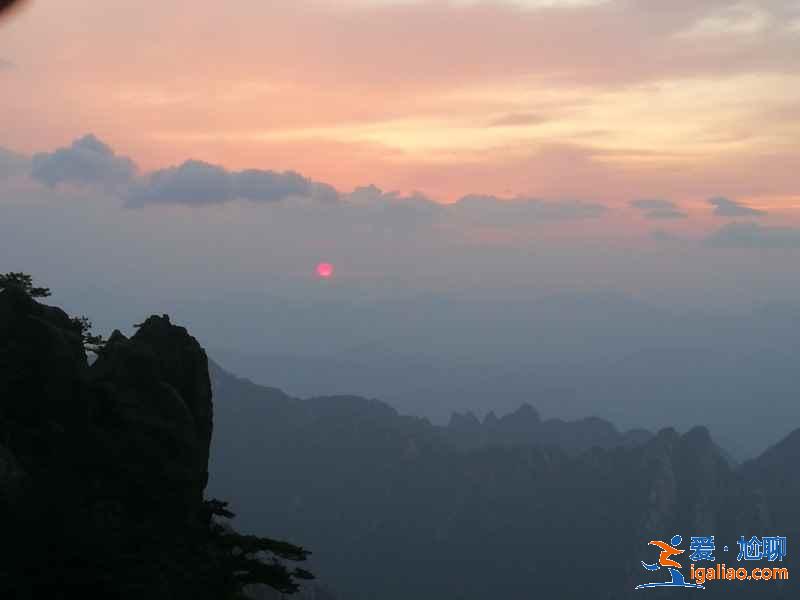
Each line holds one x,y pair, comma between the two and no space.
325,270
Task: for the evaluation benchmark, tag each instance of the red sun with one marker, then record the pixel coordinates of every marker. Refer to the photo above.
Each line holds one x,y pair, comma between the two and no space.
325,270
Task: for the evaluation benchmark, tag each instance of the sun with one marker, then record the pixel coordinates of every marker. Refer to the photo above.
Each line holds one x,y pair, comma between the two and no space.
325,270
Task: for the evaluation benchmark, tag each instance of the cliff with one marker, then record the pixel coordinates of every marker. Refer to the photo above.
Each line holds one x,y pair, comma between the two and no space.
103,468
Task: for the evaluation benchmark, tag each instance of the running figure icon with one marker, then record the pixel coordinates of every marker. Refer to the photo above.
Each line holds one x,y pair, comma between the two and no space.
665,560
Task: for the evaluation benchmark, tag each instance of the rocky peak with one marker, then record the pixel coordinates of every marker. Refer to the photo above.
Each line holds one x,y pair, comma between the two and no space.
103,468
525,416
464,422
156,386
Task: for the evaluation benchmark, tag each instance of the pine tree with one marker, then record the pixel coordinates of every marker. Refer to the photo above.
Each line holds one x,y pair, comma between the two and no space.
24,282
82,324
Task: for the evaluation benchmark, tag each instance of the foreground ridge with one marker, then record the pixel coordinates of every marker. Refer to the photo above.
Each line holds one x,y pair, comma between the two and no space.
103,468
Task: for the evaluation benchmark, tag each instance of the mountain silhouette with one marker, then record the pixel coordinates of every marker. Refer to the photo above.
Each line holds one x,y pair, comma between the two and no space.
103,468
510,507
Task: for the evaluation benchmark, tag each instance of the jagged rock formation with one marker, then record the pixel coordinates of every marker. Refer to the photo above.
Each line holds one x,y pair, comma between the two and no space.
103,468
158,383
525,427
514,507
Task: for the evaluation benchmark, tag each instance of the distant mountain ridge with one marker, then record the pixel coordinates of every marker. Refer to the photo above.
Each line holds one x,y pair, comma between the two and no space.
465,431
512,507
632,366
525,427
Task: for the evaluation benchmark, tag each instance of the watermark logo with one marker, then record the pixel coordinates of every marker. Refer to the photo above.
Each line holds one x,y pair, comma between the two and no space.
703,550
665,561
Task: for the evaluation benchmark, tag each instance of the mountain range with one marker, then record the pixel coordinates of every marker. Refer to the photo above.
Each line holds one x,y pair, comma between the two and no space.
511,507
109,473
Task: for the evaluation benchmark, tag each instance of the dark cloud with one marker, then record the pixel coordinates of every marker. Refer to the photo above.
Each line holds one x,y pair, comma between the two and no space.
491,210
517,120
196,183
86,161
325,193
723,207
753,235
391,210
12,163
371,195
193,183
657,208
267,186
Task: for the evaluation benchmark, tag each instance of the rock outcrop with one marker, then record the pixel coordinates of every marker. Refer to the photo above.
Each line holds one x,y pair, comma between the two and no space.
158,383
103,468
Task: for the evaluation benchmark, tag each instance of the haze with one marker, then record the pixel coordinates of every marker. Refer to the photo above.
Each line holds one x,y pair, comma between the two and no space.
588,206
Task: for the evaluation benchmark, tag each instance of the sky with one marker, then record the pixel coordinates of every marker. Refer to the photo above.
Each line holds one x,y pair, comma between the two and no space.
614,99
573,183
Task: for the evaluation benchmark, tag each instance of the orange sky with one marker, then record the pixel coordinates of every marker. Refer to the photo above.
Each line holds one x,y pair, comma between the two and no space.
609,100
